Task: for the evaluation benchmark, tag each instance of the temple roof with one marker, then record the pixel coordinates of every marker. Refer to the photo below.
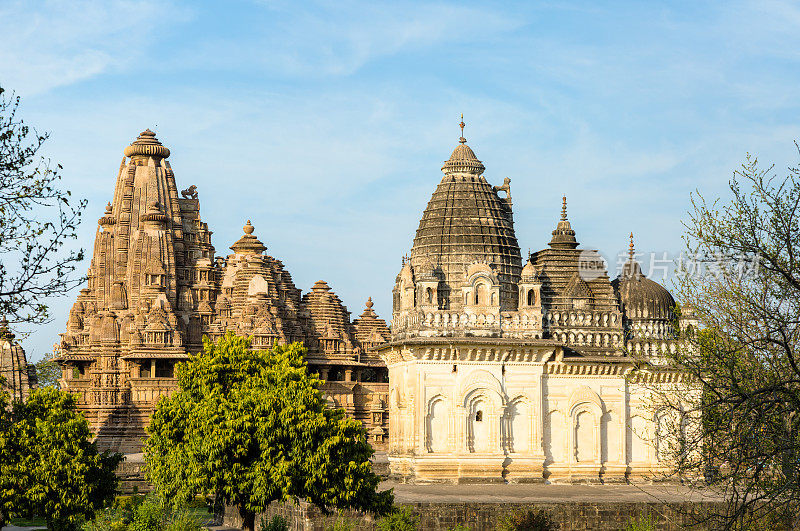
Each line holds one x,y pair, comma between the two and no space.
328,317
563,235
466,221
148,145
369,328
248,244
641,297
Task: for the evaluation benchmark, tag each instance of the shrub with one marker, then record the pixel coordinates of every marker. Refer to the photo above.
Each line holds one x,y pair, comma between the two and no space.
401,519
343,523
128,504
278,523
183,520
109,519
528,520
150,515
641,523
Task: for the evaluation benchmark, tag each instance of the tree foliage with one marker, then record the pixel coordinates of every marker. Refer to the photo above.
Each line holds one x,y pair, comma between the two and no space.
252,428
742,429
48,371
48,465
37,219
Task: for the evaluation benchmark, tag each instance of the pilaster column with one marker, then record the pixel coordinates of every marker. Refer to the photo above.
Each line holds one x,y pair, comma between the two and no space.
495,444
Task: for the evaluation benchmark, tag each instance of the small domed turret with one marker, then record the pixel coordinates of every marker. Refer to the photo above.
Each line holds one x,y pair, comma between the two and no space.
642,298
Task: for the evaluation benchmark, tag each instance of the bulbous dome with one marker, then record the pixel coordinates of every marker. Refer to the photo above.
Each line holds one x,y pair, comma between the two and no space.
642,298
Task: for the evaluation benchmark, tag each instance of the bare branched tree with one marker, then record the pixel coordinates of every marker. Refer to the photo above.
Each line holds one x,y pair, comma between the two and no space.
37,220
741,431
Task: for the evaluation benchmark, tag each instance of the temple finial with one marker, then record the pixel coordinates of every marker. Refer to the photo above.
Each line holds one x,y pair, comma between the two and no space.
630,248
564,208
462,124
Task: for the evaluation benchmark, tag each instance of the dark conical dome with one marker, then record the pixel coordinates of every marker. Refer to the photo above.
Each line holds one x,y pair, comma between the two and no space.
642,298
466,221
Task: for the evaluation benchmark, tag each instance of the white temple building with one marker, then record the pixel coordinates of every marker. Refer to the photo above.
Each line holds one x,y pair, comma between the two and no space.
504,371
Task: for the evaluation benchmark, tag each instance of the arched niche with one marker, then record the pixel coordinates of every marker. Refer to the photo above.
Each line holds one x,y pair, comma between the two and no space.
481,294
585,430
520,426
436,425
555,437
585,414
479,416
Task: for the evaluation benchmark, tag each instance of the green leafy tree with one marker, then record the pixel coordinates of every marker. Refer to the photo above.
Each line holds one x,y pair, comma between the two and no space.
48,372
252,427
56,470
741,428
37,220
8,489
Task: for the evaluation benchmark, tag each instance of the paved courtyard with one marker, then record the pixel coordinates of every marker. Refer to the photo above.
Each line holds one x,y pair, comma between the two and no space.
540,493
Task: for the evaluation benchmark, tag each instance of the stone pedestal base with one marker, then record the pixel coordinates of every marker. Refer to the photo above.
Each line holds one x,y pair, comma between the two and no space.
522,469
644,473
573,473
480,468
472,468
614,473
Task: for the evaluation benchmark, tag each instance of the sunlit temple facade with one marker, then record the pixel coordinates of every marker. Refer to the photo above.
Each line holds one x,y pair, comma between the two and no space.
497,367
156,288
504,369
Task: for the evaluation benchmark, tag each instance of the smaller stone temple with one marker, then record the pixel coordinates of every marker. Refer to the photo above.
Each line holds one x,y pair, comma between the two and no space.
156,288
17,378
508,370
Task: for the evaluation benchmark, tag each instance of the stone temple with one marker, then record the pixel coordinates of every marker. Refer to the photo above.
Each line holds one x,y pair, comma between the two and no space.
496,367
17,377
501,369
155,288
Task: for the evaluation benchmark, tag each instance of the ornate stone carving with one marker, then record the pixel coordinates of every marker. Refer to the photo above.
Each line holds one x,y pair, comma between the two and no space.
155,289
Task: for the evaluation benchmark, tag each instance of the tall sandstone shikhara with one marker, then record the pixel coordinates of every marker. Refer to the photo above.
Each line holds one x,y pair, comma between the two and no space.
155,289
494,369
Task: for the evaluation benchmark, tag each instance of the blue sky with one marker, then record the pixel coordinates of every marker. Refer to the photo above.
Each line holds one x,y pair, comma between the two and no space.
326,123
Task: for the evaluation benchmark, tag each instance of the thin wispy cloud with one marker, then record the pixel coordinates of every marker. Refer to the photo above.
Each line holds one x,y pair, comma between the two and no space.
44,45
326,123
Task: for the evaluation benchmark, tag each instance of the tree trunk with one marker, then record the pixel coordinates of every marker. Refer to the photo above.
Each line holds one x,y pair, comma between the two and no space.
248,519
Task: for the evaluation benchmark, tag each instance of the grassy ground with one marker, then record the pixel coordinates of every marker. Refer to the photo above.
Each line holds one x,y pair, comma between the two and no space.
199,513
29,522
23,522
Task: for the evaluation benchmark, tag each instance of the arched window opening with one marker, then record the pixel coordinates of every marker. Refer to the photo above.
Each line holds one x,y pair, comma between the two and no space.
531,297
480,294
430,295
477,430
